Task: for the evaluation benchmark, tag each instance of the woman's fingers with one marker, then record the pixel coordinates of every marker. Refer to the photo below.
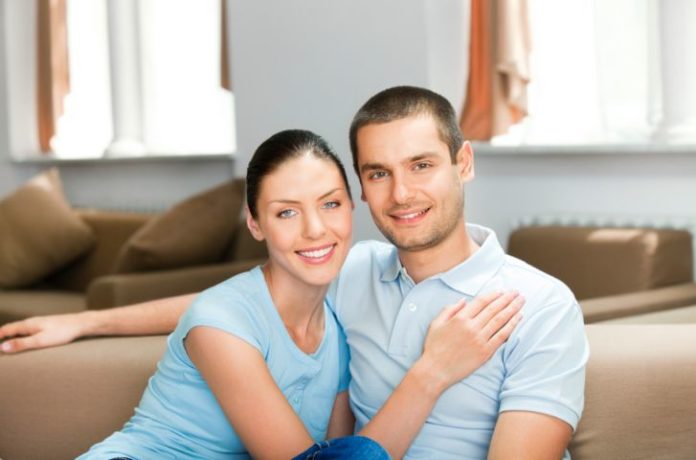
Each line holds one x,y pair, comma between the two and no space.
480,302
448,312
495,321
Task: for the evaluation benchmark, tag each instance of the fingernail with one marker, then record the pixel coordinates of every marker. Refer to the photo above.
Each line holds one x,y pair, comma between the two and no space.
5,347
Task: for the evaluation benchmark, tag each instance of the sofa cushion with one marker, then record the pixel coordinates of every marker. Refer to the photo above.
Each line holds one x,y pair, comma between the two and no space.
59,401
20,304
112,229
194,232
39,232
637,303
640,393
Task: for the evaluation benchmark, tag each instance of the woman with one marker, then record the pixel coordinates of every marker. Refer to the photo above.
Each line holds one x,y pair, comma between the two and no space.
258,365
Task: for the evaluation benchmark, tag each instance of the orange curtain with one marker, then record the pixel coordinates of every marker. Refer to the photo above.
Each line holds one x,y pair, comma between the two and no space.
496,95
53,78
225,79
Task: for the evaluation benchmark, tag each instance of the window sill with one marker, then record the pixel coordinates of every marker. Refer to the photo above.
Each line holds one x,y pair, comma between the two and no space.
484,148
49,160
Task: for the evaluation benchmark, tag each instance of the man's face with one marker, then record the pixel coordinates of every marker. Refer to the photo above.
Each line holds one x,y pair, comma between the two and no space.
414,191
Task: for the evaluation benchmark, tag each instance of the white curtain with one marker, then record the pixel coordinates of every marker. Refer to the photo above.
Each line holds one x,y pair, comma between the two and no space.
606,71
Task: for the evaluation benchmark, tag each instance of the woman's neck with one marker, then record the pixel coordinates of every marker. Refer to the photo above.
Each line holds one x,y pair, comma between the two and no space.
300,306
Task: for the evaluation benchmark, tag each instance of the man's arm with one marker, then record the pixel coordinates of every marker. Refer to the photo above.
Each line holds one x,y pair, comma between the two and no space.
529,435
147,318
542,395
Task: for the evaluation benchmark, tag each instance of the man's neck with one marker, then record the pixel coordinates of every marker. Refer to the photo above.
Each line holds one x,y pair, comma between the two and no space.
449,253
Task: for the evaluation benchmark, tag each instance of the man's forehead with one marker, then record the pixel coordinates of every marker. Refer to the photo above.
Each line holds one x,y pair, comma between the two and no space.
402,139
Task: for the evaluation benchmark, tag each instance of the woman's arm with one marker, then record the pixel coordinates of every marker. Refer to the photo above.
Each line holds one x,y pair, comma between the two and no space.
459,341
247,393
342,421
147,318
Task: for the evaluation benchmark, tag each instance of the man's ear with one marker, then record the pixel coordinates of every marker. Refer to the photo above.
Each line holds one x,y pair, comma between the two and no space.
252,225
465,162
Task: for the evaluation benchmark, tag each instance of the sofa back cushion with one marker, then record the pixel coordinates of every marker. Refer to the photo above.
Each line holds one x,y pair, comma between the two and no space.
244,246
112,229
194,232
39,232
598,261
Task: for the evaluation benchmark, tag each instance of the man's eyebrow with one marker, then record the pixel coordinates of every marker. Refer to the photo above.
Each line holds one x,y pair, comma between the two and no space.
330,192
411,159
371,167
421,156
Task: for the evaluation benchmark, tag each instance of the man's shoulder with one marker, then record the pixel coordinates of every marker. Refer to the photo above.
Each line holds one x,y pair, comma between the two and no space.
535,284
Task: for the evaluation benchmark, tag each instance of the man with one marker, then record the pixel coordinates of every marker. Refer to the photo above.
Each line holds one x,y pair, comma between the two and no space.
413,164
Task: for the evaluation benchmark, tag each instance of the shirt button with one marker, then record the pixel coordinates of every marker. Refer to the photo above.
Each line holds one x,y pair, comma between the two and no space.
412,307
296,399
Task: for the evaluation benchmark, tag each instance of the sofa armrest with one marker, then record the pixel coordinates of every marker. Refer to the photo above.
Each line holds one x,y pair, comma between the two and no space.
125,289
57,402
636,303
604,261
640,393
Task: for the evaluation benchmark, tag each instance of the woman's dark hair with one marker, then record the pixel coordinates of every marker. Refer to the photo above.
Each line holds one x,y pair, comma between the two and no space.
279,148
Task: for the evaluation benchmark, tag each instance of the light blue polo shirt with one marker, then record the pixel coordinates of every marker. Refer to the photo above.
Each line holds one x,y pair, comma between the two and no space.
385,317
179,417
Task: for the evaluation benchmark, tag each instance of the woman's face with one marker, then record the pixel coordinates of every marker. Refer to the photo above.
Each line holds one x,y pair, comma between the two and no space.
305,216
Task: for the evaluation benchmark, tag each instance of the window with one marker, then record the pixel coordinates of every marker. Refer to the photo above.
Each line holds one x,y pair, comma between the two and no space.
145,79
610,72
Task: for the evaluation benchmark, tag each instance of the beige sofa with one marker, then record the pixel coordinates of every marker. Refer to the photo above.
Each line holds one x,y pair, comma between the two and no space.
640,391
640,394
91,282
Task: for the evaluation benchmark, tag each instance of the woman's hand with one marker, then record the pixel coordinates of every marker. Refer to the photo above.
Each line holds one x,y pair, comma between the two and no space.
40,332
465,335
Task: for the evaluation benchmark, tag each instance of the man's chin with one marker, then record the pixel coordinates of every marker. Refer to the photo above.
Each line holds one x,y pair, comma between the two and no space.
411,244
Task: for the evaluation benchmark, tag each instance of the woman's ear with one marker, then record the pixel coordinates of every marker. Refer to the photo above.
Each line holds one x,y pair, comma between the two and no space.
252,225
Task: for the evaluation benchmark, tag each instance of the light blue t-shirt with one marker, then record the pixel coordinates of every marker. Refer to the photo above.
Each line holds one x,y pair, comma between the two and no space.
179,417
385,316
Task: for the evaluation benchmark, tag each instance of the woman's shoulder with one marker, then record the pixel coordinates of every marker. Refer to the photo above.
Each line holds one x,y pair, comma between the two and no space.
236,306
239,297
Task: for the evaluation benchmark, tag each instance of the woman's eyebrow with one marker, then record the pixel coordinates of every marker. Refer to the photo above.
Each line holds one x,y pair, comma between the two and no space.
287,201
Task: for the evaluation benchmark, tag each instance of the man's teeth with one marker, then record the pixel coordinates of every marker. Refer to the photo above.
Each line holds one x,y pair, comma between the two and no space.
317,254
412,215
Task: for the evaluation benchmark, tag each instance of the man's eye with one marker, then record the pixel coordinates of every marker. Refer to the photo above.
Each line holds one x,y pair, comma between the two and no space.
419,166
331,204
286,213
377,175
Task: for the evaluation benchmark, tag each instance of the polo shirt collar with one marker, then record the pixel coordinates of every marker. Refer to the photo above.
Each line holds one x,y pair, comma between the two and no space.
392,267
473,274
470,276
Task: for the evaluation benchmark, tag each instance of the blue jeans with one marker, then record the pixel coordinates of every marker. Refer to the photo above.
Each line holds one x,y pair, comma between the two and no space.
349,447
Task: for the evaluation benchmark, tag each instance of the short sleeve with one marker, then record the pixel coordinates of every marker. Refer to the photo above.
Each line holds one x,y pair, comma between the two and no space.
545,362
225,308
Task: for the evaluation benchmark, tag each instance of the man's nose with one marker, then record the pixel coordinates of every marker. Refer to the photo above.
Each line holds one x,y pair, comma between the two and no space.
402,192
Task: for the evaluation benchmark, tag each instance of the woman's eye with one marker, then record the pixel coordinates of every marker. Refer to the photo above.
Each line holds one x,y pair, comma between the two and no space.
286,213
331,204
